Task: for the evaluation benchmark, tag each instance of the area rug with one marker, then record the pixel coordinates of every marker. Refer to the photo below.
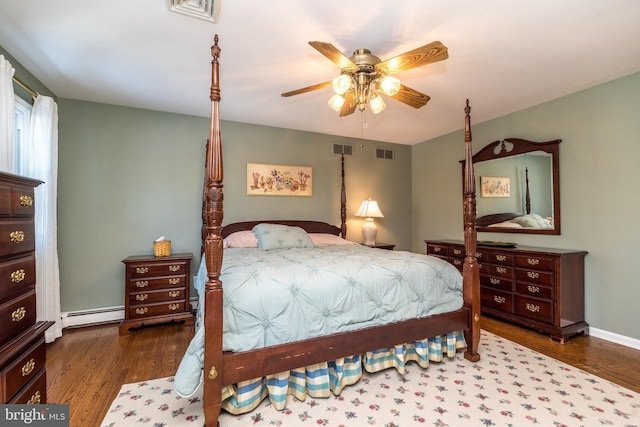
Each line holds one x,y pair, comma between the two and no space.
510,386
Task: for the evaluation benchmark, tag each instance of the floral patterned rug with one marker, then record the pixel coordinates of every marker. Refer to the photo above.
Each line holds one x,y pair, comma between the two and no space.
510,386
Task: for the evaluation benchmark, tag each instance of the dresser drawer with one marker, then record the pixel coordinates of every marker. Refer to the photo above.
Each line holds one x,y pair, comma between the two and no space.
165,295
496,299
534,276
17,276
17,237
534,261
20,372
499,258
497,282
457,252
438,250
35,392
17,315
135,271
533,308
16,200
536,291
498,271
157,309
157,283
457,263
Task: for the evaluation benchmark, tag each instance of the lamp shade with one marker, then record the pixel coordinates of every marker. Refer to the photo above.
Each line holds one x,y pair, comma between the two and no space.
369,209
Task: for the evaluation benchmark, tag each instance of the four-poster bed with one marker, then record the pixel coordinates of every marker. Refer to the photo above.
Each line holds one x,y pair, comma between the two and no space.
222,368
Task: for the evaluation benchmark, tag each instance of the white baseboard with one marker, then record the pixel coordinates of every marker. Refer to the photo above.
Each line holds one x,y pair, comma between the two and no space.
71,319
615,338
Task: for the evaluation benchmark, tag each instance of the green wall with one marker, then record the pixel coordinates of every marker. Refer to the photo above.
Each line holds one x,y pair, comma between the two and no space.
128,176
599,177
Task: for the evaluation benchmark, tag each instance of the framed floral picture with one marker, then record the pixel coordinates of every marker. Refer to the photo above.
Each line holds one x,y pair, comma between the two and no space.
279,180
495,186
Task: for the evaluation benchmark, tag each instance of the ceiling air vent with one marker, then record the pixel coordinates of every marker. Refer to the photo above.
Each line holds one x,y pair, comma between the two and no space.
345,149
384,154
203,9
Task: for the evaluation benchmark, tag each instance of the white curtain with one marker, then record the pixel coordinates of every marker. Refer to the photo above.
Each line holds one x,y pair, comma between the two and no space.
7,118
41,162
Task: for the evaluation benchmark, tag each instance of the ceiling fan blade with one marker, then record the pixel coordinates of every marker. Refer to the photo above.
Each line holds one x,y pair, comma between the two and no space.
427,54
335,56
307,89
349,105
411,97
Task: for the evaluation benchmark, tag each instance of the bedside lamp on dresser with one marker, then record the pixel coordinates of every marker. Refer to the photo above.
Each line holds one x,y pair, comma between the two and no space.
22,347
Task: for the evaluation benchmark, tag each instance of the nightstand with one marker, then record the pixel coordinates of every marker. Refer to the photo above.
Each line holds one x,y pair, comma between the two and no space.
156,290
387,246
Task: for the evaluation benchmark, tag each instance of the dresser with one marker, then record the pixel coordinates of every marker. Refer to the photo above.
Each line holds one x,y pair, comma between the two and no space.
22,347
540,288
156,290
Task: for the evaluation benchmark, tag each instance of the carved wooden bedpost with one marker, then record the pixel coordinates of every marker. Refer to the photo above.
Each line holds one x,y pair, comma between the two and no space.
470,271
213,213
343,202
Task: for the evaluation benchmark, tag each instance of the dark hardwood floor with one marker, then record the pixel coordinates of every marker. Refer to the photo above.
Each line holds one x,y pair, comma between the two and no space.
87,366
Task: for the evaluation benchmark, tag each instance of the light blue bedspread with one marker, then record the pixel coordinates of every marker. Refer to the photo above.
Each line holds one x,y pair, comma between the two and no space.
285,295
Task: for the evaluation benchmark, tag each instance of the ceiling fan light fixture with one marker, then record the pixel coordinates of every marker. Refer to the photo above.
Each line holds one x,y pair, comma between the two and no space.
336,102
390,85
377,104
341,84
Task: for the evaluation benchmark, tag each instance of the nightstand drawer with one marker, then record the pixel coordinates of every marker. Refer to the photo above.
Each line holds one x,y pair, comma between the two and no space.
161,268
165,295
161,309
157,283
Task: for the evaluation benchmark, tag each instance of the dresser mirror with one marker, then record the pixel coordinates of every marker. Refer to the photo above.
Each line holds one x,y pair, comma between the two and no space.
518,187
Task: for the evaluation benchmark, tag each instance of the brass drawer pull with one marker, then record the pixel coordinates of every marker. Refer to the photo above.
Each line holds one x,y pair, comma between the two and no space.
501,257
18,276
174,268
26,201
437,249
499,299
17,236
35,399
28,367
174,307
533,289
533,261
142,310
457,262
495,281
501,270
457,252
142,270
142,297
478,255
533,275
18,314
174,281
142,284
174,294
533,308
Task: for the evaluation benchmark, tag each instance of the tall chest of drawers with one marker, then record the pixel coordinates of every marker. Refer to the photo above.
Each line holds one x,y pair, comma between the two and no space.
157,290
540,288
22,347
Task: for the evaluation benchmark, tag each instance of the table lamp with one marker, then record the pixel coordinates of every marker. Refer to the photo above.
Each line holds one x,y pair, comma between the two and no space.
369,209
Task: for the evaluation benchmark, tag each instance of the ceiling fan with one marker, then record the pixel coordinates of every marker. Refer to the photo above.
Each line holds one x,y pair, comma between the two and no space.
364,76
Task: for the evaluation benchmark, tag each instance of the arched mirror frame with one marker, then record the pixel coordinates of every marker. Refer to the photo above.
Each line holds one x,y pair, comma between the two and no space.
497,150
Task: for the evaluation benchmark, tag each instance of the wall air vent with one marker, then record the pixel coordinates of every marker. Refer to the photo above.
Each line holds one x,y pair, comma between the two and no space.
381,153
345,149
202,9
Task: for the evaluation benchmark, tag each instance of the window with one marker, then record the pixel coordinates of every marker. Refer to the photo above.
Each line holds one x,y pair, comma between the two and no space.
23,119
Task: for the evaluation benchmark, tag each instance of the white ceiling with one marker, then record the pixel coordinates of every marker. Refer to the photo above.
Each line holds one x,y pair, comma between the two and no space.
503,55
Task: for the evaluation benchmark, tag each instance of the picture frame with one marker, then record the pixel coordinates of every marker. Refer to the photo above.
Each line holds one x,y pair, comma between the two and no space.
279,180
495,186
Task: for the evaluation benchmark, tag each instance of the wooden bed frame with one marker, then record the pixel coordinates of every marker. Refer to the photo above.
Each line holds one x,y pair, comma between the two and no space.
223,368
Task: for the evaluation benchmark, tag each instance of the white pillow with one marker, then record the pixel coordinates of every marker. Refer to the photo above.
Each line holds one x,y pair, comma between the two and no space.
241,239
279,236
324,239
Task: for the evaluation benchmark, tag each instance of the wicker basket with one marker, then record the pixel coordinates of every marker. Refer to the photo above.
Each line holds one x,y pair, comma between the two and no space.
162,248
